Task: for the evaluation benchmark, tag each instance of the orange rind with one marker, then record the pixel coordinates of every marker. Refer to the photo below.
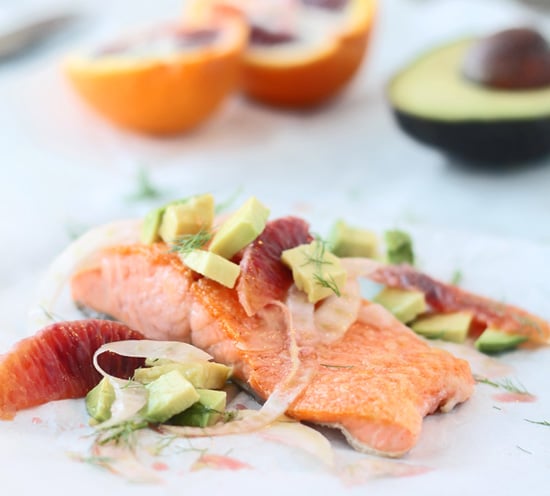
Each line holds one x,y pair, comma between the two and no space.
166,88
318,65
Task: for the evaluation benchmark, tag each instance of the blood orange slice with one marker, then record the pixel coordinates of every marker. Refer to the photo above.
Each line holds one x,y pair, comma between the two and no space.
264,277
167,80
56,363
444,297
302,52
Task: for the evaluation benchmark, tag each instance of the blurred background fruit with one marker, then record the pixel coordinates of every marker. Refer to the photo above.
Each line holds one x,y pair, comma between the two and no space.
166,80
301,53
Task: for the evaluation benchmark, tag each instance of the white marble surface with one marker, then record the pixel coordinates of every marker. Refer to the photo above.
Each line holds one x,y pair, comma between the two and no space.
63,169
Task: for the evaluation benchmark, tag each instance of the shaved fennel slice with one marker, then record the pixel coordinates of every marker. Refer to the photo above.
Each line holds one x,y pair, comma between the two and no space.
360,267
292,433
176,351
74,256
336,314
302,311
131,396
332,317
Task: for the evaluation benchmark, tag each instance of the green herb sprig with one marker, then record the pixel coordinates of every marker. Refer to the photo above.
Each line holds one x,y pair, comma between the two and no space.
329,283
145,189
538,422
189,242
507,384
318,260
457,277
122,433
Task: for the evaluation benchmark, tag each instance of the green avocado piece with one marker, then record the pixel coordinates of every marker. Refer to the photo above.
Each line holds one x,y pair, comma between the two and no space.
207,411
436,104
406,305
213,266
446,326
496,341
99,401
187,217
399,247
240,229
171,393
315,270
150,226
347,241
206,375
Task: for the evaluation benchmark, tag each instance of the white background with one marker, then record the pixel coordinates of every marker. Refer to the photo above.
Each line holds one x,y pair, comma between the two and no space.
62,168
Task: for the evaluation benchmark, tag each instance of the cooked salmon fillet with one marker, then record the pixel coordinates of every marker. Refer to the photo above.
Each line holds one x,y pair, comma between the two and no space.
375,383
146,287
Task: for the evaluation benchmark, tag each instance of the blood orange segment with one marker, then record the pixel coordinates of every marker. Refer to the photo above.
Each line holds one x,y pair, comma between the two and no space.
56,363
264,277
447,298
167,81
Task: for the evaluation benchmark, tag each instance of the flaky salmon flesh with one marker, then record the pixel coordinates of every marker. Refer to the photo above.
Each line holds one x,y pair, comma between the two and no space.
375,383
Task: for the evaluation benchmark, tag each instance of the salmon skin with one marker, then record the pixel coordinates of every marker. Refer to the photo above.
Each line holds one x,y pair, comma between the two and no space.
375,383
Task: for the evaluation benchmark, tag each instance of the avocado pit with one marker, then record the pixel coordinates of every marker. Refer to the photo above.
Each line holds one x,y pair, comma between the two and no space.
513,59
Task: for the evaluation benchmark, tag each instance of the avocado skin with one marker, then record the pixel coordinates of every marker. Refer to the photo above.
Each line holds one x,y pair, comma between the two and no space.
492,143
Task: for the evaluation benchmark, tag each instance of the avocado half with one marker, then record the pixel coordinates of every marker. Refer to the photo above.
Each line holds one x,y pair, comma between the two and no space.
436,104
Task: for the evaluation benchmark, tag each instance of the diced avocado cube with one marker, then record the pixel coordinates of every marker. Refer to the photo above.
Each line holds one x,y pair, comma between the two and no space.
496,341
189,217
243,227
171,393
404,304
150,226
99,401
212,266
347,241
315,270
207,411
206,375
446,326
399,247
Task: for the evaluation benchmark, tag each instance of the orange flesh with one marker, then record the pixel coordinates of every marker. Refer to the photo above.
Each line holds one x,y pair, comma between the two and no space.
303,78
56,363
308,83
167,94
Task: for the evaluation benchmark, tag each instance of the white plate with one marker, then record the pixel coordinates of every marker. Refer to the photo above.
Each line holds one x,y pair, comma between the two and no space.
485,445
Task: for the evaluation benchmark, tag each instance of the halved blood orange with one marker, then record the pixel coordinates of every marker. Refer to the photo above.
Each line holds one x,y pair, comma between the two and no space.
166,80
302,52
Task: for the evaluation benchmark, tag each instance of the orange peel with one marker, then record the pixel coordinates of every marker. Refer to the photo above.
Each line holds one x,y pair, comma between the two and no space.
168,93
306,75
